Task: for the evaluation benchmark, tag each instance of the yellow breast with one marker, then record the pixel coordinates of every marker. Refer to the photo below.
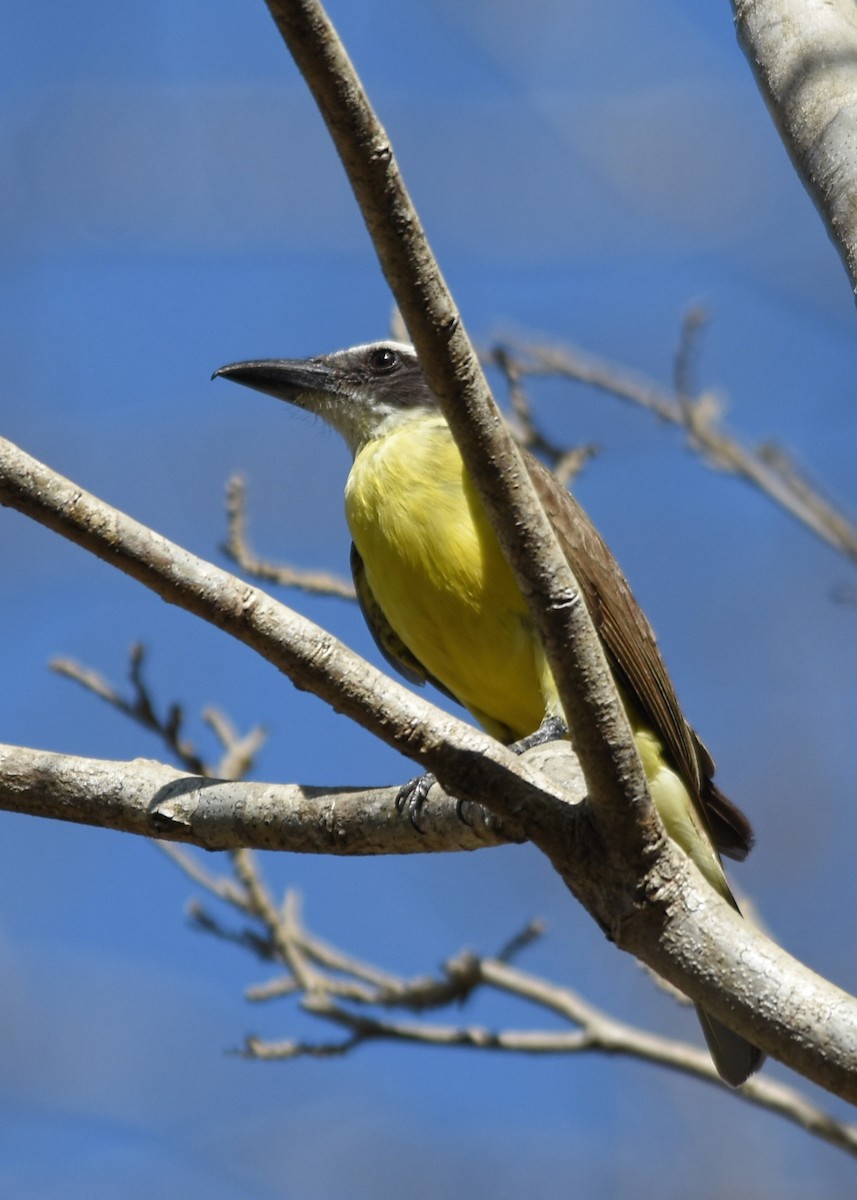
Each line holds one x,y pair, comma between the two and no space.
435,567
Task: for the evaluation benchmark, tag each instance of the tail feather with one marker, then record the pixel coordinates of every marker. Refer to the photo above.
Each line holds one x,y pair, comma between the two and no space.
734,1057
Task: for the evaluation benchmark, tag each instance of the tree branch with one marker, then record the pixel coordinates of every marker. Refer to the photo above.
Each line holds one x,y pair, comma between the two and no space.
804,56
345,991
765,467
616,783
469,763
153,800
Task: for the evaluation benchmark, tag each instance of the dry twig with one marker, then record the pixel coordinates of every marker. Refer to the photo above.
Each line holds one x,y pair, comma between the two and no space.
239,752
237,547
767,467
363,1001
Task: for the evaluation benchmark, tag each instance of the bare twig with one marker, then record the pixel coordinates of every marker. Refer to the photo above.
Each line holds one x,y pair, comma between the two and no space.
239,752
221,886
281,923
140,708
339,977
238,548
566,463
687,351
766,467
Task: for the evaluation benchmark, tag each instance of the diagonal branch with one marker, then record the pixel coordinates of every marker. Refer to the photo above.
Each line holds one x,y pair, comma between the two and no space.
804,56
611,766
471,764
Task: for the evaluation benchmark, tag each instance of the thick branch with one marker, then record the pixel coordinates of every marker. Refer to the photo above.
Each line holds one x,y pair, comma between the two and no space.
770,997
804,56
612,769
470,764
149,798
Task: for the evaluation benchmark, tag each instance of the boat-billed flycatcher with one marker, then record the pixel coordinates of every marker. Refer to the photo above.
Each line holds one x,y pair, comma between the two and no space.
443,604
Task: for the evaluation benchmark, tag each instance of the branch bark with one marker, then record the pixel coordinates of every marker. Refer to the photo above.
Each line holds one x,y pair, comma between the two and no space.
153,800
617,786
804,56
469,763
647,896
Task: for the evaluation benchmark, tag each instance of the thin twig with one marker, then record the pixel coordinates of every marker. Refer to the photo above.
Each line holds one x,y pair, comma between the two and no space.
239,753
684,370
140,708
566,463
281,924
237,547
767,468
340,977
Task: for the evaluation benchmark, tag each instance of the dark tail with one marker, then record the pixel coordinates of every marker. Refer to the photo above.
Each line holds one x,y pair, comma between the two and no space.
734,1057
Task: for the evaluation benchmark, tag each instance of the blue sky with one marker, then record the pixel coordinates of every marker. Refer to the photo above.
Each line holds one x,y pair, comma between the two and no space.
169,203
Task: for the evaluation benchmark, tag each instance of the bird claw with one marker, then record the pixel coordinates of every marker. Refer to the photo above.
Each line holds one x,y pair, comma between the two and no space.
552,729
411,797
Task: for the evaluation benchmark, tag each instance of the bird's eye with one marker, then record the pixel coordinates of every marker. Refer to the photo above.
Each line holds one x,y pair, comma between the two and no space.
383,359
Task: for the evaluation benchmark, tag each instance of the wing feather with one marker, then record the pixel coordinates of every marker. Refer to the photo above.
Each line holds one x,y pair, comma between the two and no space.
635,659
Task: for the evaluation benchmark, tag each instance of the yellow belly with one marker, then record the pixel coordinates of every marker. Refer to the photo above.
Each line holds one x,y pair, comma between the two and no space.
435,567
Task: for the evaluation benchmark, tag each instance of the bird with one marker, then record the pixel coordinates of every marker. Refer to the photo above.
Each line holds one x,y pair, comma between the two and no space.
444,607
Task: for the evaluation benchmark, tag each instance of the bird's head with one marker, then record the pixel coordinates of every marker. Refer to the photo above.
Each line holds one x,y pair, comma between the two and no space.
361,392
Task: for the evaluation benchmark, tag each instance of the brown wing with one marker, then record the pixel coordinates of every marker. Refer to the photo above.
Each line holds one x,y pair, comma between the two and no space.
635,659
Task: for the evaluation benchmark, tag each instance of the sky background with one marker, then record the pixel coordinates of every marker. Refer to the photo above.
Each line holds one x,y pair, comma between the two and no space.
169,203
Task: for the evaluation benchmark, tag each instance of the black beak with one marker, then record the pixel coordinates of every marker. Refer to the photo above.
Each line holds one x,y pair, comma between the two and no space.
285,378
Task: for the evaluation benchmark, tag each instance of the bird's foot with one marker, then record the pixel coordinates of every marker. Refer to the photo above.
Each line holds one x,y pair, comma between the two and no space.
552,729
411,797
